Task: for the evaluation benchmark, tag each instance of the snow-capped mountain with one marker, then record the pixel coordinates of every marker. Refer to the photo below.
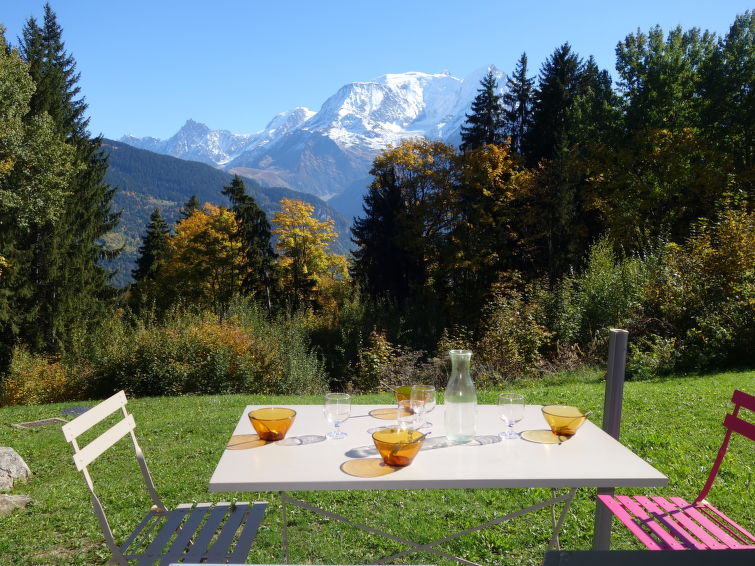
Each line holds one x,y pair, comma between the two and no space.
329,153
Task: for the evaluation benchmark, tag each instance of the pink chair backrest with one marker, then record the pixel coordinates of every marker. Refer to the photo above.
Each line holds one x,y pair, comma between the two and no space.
733,423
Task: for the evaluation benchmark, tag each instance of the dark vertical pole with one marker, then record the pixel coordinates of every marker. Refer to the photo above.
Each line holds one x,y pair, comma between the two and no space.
284,530
617,359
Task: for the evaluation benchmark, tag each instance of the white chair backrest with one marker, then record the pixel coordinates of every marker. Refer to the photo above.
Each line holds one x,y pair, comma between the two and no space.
85,456
82,457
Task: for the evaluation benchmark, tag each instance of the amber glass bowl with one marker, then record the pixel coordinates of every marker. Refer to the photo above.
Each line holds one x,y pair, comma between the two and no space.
403,392
272,423
398,446
564,420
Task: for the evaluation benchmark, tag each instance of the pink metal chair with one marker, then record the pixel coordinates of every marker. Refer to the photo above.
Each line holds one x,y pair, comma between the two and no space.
200,532
673,524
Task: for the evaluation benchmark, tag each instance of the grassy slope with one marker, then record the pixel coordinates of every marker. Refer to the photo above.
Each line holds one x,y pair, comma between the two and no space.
675,424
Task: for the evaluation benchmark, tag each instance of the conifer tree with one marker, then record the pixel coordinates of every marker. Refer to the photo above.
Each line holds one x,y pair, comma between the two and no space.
191,206
406,217
154,247
557,88
70,286
380,261
37,170
485,124
148,291
255,233
517,102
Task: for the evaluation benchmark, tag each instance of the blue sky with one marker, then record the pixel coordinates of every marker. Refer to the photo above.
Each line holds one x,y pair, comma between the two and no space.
148,66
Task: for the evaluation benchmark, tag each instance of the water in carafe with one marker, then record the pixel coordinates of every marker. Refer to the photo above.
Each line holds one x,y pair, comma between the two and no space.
460,399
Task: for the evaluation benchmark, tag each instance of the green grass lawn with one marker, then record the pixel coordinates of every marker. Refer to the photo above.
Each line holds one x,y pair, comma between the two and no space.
675,424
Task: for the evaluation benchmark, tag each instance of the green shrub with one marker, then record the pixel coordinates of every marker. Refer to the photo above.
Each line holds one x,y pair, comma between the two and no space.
651,356
339,333
197,353
564,309
36,380
513,335
455,338
374,363
302,369
609,291
705,292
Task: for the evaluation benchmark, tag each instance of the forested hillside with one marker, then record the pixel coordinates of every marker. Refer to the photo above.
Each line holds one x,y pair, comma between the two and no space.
573,205
145,180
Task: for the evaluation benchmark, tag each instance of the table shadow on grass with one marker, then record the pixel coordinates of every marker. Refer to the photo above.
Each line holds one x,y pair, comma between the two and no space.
247,441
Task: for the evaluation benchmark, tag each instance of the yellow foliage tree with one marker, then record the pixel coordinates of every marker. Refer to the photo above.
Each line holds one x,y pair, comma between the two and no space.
205,264
484,237
302,243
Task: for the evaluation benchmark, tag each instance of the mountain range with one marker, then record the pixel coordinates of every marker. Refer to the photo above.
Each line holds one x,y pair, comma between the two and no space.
329,153
146,180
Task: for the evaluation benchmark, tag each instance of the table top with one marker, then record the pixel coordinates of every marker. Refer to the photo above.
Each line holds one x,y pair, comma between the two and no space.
306,461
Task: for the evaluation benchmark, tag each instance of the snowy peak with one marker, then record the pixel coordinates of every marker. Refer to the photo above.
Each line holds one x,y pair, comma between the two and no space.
192,128
288,121
367,115
389,108
329,152
198,142
360,112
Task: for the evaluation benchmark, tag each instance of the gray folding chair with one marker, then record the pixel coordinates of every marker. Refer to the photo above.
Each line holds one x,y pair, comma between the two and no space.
204,532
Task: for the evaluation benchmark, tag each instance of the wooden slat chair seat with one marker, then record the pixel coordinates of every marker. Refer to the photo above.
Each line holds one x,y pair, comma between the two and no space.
204,532
671,523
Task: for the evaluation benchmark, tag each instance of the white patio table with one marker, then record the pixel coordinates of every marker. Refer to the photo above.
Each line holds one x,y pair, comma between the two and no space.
306,461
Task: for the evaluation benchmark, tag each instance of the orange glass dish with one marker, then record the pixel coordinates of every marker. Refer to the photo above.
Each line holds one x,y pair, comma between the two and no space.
398,446
272,423
564,420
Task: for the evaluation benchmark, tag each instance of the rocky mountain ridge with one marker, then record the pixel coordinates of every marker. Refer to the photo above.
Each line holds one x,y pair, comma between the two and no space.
328,153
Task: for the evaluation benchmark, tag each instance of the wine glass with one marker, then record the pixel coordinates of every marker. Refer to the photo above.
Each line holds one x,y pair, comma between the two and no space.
337,409
422,397
511,410
406,414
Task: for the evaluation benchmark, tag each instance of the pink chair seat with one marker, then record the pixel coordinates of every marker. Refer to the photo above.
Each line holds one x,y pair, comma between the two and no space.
671,523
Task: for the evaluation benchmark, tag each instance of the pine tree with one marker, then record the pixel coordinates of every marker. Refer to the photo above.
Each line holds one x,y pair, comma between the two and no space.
70,287
485,124
37,169
557,88
154,247
191,206
380,261
148,291
255,234
517,102
406,219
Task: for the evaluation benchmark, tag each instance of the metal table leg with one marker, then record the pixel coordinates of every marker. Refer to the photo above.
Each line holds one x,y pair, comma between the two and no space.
566,499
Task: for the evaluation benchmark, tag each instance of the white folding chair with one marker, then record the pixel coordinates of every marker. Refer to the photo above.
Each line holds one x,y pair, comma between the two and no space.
204,532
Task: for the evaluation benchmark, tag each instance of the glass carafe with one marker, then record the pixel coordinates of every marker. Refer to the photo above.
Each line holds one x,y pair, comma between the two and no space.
460,399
